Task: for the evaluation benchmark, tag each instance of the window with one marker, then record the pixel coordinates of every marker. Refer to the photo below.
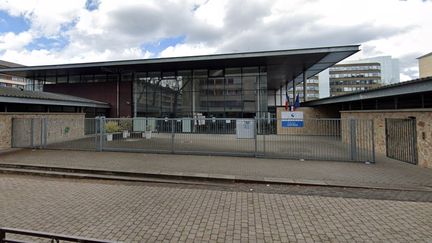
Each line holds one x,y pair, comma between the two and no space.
216,73
61,79
247,71
233,72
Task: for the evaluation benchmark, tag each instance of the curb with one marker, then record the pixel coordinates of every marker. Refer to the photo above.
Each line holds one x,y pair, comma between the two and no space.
178,177
9,151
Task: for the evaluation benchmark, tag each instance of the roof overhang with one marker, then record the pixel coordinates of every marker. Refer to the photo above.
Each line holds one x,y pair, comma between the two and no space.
30,101
405,88
283,66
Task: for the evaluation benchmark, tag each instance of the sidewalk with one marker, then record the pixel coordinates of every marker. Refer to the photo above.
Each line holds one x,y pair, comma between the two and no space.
386,173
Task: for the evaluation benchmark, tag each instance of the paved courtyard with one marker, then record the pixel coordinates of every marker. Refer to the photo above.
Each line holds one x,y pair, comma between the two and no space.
385,173
140,212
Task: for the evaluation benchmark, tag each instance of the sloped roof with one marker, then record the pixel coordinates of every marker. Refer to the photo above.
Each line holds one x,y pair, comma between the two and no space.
5,64
425,55
14,95
420,85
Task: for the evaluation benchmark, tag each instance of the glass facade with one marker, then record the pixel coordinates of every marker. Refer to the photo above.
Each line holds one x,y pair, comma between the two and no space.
227,92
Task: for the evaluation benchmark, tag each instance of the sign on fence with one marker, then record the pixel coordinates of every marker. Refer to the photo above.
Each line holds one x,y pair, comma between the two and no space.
292,119
245,128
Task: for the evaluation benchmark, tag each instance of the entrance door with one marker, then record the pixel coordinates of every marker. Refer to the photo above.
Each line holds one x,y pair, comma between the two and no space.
401,139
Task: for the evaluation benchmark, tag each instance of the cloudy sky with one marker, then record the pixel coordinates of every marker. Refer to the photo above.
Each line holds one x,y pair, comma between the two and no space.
36,32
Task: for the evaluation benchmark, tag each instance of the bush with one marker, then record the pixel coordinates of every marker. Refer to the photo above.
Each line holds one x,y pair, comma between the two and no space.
111,127
125,125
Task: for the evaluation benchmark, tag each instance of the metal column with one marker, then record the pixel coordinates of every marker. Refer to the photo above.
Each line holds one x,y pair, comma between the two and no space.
294,90
304,85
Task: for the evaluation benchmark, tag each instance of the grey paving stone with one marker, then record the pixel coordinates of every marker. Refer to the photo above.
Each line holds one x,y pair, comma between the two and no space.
386,173
140,211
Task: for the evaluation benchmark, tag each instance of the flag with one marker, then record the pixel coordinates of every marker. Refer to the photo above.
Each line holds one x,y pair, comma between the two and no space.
287,101
297,102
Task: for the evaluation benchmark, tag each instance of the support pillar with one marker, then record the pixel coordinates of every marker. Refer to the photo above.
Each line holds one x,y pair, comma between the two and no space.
294,90
304,85
280,95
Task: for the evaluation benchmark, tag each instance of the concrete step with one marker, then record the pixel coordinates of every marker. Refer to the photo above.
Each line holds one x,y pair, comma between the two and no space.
181,178
76,175
154,175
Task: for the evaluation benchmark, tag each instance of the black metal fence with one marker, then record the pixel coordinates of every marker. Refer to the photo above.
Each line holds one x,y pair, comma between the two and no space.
313,139
401,139
31,236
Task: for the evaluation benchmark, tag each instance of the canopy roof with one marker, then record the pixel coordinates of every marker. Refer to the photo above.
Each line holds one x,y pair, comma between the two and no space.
282,65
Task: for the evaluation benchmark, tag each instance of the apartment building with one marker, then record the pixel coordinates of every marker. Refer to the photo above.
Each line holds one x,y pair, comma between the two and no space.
365,74
425,65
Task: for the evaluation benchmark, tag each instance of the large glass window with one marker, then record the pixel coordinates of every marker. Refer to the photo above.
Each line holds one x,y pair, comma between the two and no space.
228,92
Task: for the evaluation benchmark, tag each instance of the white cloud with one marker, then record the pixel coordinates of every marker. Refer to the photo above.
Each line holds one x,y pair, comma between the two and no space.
212,12
187,50
12,41
47,16
119,30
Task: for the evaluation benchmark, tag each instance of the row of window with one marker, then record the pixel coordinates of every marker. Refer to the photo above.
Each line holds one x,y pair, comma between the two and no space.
95,78
355,75
310,88
354,82
220,92
348,89
227,103
359,67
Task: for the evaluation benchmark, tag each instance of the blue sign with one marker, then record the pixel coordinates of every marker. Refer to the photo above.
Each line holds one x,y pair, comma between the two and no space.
292,119
292,123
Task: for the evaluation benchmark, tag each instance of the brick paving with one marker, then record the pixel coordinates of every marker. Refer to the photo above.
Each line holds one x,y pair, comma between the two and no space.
385,173
140,212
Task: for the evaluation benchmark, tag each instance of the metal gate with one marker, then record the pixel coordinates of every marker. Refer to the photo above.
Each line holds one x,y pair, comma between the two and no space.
401,139
316,139
28,132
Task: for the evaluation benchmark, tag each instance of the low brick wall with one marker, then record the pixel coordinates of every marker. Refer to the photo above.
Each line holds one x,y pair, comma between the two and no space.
60,127
423,127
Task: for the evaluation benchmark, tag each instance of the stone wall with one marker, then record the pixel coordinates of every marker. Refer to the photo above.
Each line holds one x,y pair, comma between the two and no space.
60,127
423,127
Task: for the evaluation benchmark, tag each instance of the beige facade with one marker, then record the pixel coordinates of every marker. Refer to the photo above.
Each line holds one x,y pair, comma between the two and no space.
61,127
425,65
423,128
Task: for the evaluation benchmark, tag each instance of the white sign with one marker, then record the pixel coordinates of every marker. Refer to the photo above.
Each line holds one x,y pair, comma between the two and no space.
292,119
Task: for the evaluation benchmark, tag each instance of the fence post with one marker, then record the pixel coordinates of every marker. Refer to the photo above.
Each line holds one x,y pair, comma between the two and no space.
101,133
32,132
353,139
373,141
172,134
264,133
413,130
2,235
256,136
97,133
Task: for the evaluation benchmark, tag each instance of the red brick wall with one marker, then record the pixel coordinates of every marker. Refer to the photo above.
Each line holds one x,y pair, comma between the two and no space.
105,92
